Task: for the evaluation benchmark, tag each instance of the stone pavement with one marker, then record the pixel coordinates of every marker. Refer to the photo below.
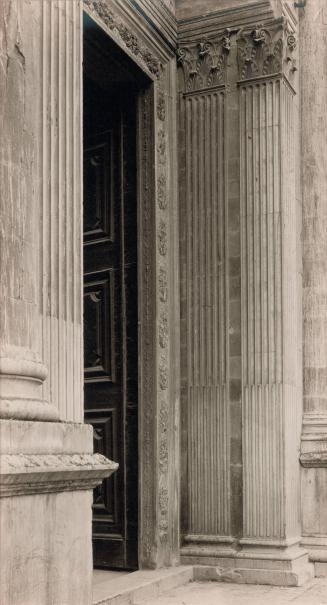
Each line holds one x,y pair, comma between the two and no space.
216,593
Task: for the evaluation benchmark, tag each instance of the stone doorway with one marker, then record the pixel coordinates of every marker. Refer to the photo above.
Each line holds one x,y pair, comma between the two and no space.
111,88
146,71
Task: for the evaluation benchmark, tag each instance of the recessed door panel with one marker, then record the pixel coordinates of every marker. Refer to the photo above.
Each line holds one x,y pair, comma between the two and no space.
110,314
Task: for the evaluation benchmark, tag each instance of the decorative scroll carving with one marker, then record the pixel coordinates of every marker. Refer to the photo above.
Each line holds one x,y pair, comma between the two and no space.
162,238
163,455
163,285
161,147
162,192
163,373
264,51
119,29
161,106
163,330
204,64
163,500
147,410
163,323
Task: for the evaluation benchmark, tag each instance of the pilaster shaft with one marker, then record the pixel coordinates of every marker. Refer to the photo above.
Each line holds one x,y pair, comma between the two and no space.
270,270
204,288
60,212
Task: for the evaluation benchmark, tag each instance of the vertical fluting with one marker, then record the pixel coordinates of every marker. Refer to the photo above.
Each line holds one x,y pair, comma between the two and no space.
269,311
61,208
205,312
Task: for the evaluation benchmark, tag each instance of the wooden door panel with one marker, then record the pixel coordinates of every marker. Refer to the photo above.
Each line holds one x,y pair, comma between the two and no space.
111,315
99,342
98,192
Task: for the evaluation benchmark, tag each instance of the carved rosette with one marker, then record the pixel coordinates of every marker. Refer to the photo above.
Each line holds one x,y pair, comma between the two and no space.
267,50
204,63
123,34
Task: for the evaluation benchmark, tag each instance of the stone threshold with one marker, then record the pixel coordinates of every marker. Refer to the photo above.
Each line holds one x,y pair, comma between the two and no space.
138,586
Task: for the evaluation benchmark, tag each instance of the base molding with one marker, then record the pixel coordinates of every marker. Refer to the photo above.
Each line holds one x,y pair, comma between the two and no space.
41,458
288,566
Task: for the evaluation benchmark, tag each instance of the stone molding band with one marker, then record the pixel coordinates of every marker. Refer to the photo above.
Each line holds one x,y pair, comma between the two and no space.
19,361
22,375
27,409
314,459
22,474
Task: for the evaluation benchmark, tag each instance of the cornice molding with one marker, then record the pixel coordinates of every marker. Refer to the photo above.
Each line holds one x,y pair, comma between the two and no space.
160,19
22,474
208,24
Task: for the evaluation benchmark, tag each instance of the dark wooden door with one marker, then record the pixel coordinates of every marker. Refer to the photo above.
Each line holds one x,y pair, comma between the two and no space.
110,314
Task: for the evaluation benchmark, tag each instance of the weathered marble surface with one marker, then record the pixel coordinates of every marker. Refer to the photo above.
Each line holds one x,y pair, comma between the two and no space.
46,557
314,183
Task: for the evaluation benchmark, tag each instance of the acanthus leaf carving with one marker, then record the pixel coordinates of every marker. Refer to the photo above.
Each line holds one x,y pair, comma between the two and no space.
204,64
265,51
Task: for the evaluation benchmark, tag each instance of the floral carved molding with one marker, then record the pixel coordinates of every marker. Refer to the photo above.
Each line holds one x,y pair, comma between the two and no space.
264,51
125,35
204,63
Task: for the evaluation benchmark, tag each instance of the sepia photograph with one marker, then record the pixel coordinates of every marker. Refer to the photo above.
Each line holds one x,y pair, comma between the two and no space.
163,302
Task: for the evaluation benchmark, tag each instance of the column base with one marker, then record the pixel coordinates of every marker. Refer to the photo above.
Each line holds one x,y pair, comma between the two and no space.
275,566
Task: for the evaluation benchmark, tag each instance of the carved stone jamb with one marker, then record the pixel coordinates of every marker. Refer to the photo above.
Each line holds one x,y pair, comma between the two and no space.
267,50
204,63
157,482
157,525
164,458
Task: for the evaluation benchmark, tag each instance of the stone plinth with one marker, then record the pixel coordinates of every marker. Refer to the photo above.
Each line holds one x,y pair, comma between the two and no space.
47,472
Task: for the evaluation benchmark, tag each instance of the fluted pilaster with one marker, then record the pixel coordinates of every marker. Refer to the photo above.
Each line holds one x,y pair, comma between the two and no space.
205,411
270,306
61,211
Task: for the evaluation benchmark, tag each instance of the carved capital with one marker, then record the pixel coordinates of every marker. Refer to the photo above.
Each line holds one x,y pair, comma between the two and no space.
204,63
267,50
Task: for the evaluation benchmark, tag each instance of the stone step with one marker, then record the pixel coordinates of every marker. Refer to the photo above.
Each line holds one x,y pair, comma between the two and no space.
133,588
